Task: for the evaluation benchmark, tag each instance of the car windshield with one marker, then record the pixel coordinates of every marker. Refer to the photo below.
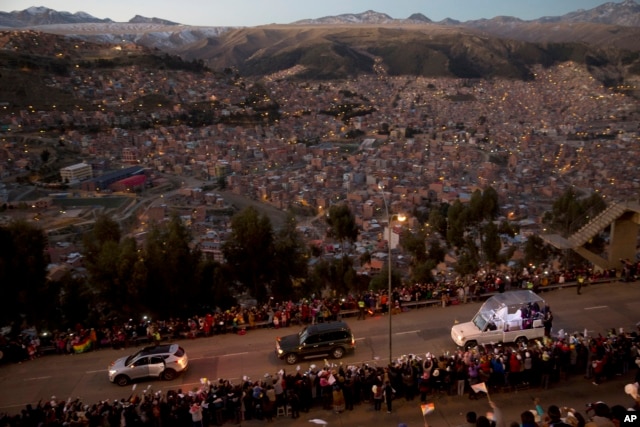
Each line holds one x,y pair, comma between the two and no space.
132,357
303,335
480,321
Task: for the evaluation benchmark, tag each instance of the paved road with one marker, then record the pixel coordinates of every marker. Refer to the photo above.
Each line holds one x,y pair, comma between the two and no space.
232,356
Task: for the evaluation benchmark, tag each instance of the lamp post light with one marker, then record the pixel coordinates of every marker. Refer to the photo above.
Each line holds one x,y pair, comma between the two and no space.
390,301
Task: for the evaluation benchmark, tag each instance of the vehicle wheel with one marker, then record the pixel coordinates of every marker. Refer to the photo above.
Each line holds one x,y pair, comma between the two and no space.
470,344
291,358
521,340
122,380
169,375
337,353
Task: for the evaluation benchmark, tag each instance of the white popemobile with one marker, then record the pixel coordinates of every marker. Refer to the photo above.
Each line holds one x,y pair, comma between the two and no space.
513,316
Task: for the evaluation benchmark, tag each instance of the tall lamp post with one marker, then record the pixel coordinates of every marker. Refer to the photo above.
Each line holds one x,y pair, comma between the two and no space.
389,290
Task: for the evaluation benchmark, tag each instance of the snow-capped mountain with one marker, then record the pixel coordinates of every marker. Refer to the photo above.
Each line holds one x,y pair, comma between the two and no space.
35,16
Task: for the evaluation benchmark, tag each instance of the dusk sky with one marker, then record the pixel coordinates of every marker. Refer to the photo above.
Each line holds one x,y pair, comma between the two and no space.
261,12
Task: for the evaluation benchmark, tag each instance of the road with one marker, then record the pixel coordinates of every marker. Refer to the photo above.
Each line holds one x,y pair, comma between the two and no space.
601,307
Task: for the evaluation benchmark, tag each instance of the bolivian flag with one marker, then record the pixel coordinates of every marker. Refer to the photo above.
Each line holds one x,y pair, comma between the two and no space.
82,346
427,408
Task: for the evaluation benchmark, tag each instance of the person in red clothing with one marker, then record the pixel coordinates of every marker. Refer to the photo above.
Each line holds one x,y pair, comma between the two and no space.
598,369
515,364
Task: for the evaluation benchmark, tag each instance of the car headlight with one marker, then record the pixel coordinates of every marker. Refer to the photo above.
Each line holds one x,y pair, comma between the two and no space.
279,350
460,337
112,372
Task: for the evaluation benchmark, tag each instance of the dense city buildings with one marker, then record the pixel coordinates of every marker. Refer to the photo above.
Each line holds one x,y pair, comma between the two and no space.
420,139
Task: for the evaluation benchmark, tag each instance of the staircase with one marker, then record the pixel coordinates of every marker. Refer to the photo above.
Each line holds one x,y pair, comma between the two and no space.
616,213
596,225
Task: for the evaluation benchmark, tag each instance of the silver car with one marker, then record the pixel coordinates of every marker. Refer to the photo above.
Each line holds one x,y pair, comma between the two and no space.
164,361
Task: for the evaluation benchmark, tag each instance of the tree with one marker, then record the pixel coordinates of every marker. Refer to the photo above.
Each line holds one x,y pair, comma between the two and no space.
456,222
536,251
422,272
343,226
381,281
214,282
468,260
290,263
490,204
249,251
342,223
491,243
414,244
438,219
104,230
171,267
23,273
436,251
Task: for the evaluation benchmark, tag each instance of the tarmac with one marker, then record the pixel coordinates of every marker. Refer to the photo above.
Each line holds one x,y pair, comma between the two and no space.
575,392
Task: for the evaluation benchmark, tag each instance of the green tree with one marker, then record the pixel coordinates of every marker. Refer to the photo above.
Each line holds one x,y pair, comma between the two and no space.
475,209
381,281
74,301
491,243
249,251
438,219
490,204
290,260
342,223
468,259
171,267
422,272
536,251
456,224
436,251
215,282
23,273
415,244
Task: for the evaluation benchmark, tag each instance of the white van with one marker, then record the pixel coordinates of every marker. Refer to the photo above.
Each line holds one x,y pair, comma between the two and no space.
513,316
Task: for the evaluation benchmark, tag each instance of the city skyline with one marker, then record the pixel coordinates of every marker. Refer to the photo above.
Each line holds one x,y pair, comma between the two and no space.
254,13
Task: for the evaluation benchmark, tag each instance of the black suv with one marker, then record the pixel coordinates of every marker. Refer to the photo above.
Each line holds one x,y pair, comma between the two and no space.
323,339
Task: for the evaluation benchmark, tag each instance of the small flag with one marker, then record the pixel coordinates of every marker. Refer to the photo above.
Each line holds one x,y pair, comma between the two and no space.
479,387
427,408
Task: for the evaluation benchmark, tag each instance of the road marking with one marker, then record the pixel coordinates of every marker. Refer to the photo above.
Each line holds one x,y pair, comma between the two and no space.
234,354
219,355
596,307
36,378
360,339
408,332
93,372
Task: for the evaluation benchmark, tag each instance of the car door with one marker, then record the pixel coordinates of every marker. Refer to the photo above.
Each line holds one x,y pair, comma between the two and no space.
139,368
156,366
311,346
328,341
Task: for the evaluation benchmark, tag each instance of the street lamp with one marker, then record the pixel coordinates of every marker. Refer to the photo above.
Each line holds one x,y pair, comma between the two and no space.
400,218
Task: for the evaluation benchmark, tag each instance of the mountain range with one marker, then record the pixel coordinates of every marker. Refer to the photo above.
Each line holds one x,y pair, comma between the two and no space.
604,38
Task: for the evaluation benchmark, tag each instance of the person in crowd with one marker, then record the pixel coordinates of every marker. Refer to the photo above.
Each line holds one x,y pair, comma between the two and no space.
470,419
602,417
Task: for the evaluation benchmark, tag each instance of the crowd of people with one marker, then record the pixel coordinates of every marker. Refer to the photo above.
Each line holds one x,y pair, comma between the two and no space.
338,388
541,364
314,309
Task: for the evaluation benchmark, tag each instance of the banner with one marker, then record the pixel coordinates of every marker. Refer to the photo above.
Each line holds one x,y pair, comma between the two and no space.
427,408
